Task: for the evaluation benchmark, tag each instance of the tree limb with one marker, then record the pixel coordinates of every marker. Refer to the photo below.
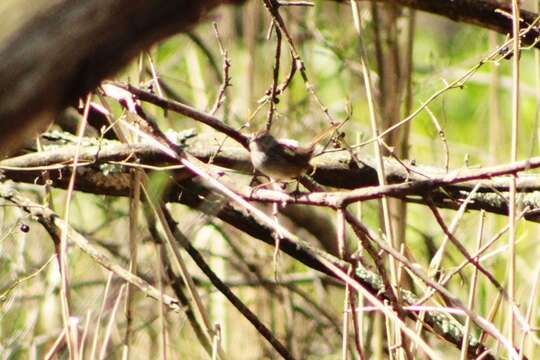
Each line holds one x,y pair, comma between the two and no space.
101,173
67,47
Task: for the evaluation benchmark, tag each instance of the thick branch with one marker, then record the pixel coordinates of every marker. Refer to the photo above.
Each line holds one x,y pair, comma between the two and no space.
489,14
334,169
67,47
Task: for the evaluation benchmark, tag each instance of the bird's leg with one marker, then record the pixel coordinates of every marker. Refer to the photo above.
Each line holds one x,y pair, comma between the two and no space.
255,188
297,188
253,180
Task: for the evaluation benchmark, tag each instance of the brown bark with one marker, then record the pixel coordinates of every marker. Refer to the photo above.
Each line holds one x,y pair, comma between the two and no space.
489,14
65,48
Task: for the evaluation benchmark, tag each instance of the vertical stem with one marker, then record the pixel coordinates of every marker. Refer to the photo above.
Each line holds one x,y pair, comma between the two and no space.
408,72
345,342
64,288
251,24
342,252
360,318
513,151
342,246
135,196
472,291
381,176
494,114
100,316
378,155
162,319
133,231
530,311
108,331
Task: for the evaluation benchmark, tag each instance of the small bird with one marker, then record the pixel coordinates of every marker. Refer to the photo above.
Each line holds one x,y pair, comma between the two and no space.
280,160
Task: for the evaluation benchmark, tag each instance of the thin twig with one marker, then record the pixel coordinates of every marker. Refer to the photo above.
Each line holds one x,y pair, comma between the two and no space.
103,351
181,266
388,312
530,309
465,252
273,90
273,9
62,260
6,290
220,99
485,325
100,315
54,224
456,84
442,136
235,301
187,111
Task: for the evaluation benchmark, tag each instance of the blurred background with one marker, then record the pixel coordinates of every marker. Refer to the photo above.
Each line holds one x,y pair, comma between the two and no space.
304,308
